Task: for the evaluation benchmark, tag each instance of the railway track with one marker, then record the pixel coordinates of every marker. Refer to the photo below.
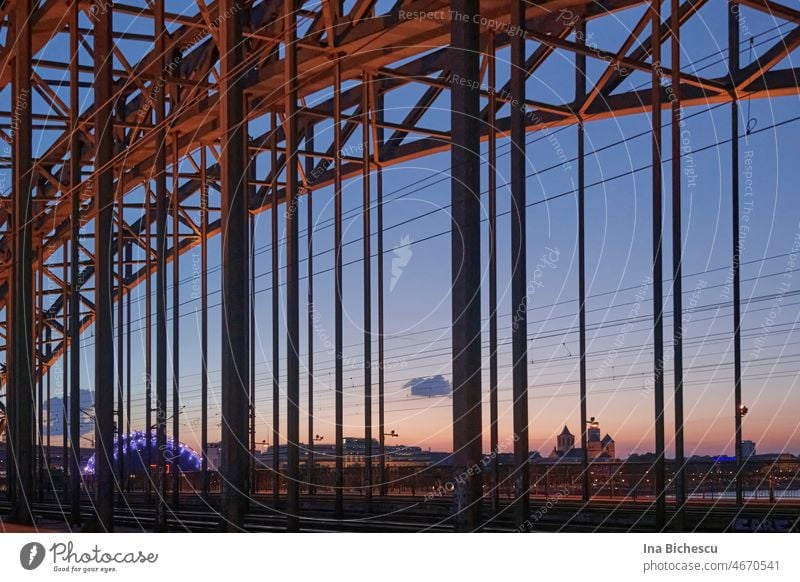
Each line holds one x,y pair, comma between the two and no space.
414,515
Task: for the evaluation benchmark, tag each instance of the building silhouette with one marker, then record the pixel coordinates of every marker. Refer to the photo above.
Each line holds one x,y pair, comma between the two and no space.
598,449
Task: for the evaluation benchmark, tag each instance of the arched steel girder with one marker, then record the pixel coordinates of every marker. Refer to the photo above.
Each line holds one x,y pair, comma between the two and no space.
372,45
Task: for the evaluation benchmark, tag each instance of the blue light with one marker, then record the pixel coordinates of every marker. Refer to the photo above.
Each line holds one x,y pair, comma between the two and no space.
134,444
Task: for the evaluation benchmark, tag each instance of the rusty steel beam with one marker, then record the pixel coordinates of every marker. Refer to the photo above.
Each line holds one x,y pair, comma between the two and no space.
292,269
644,49
65,463
103,270
366,246
176,336
20,370
204,321
679,520
776,53
160,178
610,6
378,114
658,240
775,84
337,300
252,339
128,346
580,94
519,299
611,69
48,460
148,346
74,292
494,427
771,8
120,412
734,70
310,310
39,347
235,265
132,153
630,63
251,397
465,254
276,352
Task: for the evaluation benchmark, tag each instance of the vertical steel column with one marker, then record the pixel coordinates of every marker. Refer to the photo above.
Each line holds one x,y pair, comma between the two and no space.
235,266
658,301
276,351
204,316
128,346
733,56
161,281
465,243
337,300
292,271
378,112
11,475
39,324
367,270
120,349
20,371
65,465
75,273
580,94
494,426
103,266
677,262
252,314
251,305
176,322
148,340
48,355
519,299
8,446
310,305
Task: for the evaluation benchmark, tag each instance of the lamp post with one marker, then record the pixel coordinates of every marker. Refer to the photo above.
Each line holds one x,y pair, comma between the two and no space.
741,411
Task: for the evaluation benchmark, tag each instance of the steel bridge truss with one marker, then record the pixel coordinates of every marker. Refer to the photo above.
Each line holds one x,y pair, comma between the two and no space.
125,159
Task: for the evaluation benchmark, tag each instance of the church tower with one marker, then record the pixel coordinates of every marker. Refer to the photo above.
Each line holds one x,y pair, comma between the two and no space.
565,441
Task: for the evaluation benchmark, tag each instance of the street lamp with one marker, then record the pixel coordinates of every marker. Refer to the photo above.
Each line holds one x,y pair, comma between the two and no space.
741,412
